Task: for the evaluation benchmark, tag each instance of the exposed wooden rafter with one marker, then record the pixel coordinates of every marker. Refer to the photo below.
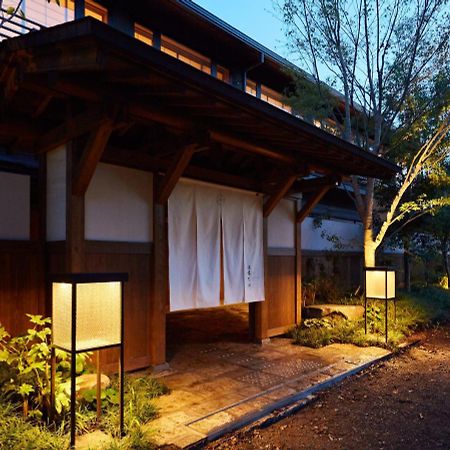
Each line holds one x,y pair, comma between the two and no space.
283,189
174,172
178,166
92,153
70,129
115,155
146,112
42,105
313,201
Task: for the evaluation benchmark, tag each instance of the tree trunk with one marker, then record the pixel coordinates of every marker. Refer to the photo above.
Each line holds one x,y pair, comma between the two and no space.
369,249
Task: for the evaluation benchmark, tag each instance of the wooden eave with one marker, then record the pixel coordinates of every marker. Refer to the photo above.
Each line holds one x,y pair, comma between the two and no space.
86,68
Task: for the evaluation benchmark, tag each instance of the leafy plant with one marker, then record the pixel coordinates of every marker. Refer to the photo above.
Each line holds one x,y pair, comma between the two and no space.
414,311
374,319
26,419
28,360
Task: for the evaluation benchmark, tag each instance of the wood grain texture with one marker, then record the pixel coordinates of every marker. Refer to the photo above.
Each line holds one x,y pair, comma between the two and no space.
159,305
259,311
282,190
22,283
92,153
280,293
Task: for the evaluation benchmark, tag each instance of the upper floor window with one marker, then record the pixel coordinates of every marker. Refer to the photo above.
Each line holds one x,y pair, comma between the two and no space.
223,74
274,98
250,87
95,10
143,34
267,94
44,13
51,13
185,54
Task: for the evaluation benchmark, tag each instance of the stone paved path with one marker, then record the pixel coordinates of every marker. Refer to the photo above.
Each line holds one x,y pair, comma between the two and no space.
218,383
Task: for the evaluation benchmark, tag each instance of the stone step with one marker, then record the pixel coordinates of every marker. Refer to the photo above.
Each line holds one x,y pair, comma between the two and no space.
350,312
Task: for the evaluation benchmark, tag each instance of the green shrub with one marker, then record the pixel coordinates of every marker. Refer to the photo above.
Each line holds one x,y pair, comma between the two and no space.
414,311
26,362
26,419
18,433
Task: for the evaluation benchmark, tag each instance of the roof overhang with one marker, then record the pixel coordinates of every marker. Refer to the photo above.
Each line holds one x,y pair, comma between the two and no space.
86,65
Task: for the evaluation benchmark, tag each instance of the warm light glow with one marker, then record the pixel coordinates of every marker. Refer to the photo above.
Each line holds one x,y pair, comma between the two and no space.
98,315
185,54
61,316
143,34
380,284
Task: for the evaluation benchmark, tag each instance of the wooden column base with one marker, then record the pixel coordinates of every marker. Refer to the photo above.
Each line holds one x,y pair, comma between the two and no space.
258,321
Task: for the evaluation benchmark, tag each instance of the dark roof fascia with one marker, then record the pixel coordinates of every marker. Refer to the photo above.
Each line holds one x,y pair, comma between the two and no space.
165,64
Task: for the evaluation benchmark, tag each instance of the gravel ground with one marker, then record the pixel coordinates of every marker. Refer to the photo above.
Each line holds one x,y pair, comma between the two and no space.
401,404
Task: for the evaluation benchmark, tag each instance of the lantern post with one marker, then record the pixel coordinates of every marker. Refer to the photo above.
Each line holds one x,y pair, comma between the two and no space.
379,285
87,315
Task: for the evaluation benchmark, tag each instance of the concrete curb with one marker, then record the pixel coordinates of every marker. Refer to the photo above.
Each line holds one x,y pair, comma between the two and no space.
289,405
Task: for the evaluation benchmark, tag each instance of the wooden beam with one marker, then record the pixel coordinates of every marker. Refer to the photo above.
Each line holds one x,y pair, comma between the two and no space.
252,148
273,201
145,112
312,202
18,128
71,129
174,172
91,156
42,105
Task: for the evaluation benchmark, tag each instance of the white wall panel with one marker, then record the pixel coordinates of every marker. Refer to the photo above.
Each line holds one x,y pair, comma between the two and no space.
14,206
118,205
350,235
56,194
281,225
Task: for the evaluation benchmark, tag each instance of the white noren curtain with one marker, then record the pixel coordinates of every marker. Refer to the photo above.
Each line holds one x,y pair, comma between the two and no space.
198,212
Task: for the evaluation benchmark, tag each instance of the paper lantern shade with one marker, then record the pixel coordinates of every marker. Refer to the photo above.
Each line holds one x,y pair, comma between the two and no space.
380,283
96,308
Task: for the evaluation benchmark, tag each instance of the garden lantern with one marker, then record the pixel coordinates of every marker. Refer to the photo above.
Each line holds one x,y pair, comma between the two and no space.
87,315
379,285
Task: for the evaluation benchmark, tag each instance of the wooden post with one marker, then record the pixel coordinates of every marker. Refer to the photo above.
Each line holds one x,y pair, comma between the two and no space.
259,311
75,243
298,268
159,300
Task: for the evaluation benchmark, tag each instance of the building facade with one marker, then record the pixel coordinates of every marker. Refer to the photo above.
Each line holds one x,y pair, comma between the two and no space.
153,138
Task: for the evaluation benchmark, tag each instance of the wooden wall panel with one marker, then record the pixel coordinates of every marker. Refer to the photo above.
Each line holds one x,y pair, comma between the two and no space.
135,259
22,283
281,293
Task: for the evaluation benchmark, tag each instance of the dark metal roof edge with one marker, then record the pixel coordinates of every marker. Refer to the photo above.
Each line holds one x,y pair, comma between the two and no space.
237,34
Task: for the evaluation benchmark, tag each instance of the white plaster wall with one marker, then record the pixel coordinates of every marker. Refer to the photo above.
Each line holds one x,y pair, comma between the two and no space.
56,194
119,205
281,225
15,206
350,235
